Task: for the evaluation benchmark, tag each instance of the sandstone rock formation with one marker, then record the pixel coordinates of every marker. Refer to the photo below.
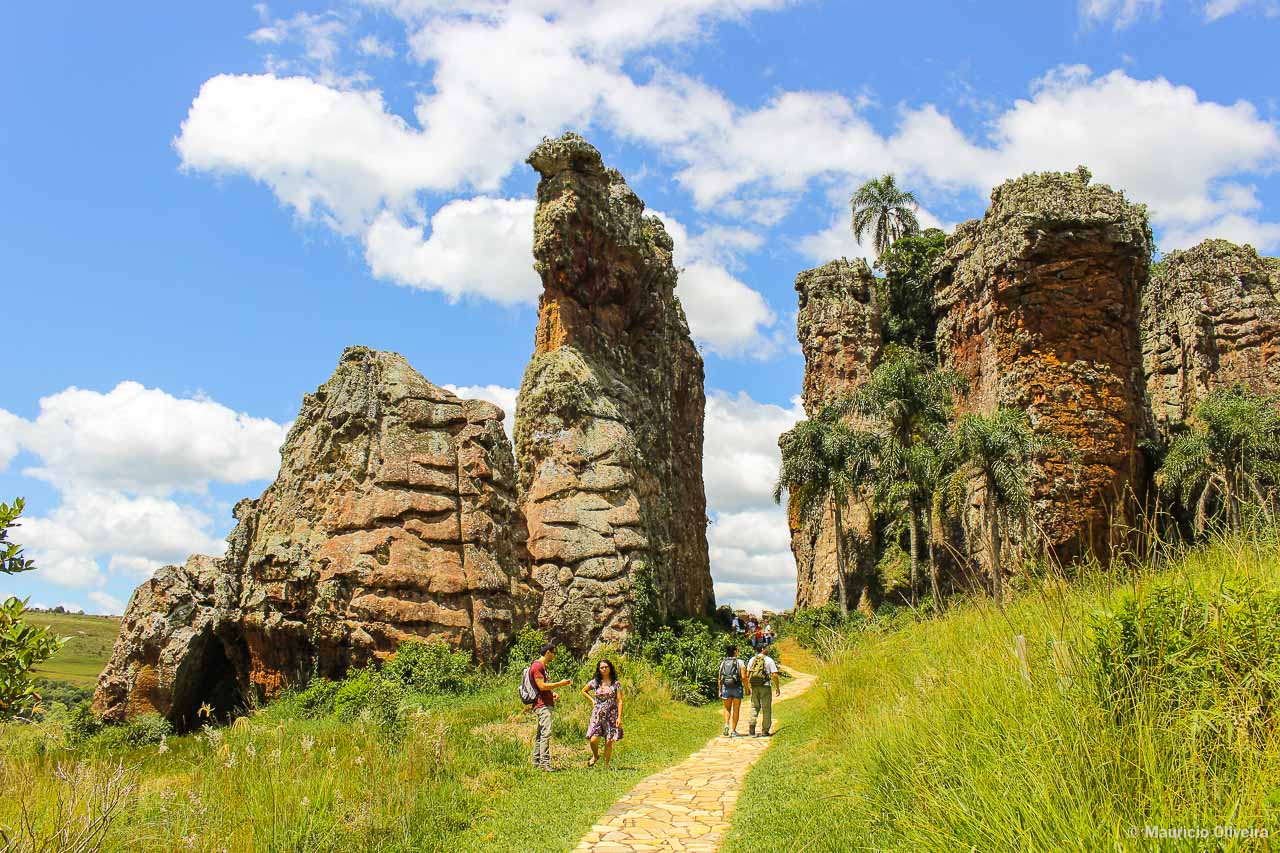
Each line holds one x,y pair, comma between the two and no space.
610,413
394,516
839,330
1037,307
1210,317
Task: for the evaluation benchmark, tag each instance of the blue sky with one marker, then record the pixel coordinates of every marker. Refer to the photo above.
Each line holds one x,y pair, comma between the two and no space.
204,203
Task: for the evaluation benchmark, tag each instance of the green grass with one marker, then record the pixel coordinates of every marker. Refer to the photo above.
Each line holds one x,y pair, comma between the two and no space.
930,737
459,778
89,642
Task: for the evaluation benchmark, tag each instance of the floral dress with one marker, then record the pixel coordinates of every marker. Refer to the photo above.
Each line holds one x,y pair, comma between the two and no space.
604,715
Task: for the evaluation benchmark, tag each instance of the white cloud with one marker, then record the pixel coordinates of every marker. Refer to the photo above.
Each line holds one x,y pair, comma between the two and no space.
10,425
116,459
740,453
1121,13
105,604
1217,9
143,439
836,240
480,246
320,35
70,570
373,46
500,395
1263,236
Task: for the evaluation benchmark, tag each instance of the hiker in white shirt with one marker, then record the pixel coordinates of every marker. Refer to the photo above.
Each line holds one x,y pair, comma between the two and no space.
763,684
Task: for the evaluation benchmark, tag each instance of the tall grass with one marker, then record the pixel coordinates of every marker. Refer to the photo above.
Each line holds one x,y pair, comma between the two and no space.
1144,702
454,776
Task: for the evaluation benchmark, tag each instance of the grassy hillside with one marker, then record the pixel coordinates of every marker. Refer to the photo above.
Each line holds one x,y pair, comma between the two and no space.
89,642
452,773
1148,702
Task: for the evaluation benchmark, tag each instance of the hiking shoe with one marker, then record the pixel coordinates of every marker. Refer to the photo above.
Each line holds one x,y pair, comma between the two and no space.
549,769
726,732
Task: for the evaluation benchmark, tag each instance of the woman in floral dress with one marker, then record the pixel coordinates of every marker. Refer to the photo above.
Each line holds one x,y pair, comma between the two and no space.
605,695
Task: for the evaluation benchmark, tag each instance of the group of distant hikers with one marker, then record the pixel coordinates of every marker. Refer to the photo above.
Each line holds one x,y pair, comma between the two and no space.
755,678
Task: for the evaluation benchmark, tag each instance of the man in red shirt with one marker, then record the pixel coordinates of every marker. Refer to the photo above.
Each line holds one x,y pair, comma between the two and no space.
542,707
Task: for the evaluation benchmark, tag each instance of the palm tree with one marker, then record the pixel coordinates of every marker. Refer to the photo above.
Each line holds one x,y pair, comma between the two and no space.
825,462
997,450
911,401
885,211
1231,455
909,484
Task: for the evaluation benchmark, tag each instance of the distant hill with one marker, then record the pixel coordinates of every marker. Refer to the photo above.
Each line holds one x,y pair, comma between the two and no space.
89,642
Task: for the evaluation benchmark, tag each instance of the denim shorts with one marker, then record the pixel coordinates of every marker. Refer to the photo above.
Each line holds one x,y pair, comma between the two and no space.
731,692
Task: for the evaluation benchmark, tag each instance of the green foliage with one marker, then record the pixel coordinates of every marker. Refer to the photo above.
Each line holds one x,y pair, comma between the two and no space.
431,668
884,211
317,700
807,624
22,645
525,649
905,293
144,730
11,560
81,724
1230,458
1205,665
687,656
369,693
59,694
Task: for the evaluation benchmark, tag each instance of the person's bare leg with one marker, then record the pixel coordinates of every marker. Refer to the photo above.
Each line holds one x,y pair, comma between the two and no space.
737,708
595,750
728,705
608,753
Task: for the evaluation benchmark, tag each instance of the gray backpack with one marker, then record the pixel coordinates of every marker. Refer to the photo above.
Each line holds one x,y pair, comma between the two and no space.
730,675
528,690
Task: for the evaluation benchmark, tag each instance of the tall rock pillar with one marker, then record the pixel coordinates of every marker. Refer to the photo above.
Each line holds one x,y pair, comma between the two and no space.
839,330
609,420
1038,309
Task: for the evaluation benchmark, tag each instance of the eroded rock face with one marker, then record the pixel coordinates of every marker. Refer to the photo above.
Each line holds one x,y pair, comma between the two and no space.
1210,317
394,516
839,329
1037,308
610,414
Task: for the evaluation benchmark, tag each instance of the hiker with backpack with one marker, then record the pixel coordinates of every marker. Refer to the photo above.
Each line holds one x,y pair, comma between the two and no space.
761,671
729,683
535,690
605,696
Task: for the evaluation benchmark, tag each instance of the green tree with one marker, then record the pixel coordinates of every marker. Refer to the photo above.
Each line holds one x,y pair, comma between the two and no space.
22,646
825,463
1230,456
910,401
998,452
884,211
905,293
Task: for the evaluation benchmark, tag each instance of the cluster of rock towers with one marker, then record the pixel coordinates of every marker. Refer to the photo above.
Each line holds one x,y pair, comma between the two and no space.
1050,304
401,512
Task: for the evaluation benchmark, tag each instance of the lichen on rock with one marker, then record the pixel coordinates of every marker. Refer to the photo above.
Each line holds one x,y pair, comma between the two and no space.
609,420
393,517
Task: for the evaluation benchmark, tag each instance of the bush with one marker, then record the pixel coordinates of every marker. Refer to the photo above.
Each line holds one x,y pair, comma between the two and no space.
370,694
688,657
1207,665
145,730
525,647
806,624
316,700
58,694
431,668
81,724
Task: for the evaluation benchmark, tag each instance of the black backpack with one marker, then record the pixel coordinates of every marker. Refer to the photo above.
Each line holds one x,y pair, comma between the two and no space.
730,674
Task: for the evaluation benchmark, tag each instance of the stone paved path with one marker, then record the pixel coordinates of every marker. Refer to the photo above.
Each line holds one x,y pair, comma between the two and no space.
688,807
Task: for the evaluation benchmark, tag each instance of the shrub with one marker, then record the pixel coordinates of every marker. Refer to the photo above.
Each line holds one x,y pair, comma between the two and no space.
22,645
1207,665
431,668
145,730
316,700
688,657
80,724
806,624
525,648
371,694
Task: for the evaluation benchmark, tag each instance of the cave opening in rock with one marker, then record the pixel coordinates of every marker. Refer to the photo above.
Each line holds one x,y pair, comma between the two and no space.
208,690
